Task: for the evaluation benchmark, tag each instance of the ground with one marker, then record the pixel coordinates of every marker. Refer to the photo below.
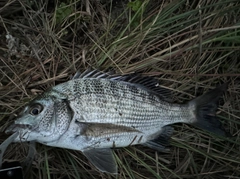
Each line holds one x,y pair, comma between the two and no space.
189,46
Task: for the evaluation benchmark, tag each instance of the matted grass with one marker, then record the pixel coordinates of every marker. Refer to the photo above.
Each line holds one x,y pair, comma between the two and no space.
190,46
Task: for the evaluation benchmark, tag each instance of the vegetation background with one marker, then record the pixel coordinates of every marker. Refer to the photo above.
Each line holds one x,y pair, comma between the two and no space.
190,46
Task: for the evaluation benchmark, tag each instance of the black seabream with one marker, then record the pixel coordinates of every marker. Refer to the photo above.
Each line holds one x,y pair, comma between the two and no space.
95,112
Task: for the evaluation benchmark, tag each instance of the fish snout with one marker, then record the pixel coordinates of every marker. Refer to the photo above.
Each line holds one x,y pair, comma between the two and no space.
17,127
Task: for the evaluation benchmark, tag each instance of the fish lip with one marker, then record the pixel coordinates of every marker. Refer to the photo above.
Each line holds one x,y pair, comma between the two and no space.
24,126
17,127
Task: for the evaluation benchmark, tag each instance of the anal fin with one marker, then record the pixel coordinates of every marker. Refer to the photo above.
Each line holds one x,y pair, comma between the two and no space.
162,140
102,159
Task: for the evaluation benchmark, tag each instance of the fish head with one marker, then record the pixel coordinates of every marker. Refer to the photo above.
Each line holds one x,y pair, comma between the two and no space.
43,120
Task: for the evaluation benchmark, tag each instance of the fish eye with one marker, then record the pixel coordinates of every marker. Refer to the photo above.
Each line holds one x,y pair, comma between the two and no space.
36,109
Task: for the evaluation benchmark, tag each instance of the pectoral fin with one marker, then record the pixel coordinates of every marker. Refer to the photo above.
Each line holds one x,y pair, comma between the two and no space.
103,129
102,159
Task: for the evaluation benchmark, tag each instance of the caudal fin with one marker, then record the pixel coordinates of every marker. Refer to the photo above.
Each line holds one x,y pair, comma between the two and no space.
205,111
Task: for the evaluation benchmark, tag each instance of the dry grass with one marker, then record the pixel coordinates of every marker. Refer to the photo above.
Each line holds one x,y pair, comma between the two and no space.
190,46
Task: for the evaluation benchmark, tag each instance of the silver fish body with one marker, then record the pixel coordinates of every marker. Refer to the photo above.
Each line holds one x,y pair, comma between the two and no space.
117,114
95,113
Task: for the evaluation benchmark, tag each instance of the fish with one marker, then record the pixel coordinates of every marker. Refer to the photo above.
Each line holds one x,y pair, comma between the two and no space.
95,112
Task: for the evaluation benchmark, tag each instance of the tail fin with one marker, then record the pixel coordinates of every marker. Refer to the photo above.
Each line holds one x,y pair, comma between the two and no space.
206,106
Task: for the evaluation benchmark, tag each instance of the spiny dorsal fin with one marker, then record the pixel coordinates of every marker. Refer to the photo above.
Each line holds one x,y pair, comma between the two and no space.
93,74
148,83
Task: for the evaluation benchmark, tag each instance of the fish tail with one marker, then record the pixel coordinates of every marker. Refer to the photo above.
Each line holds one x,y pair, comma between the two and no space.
205,110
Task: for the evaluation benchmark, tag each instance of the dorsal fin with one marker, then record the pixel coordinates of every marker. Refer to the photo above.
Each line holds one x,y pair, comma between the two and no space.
92,74
150,84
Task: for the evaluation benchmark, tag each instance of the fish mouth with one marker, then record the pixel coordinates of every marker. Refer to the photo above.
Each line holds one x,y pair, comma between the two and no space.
23,131
18,127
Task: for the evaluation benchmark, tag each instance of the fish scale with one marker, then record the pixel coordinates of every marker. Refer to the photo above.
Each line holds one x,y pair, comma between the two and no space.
95,111
93,100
